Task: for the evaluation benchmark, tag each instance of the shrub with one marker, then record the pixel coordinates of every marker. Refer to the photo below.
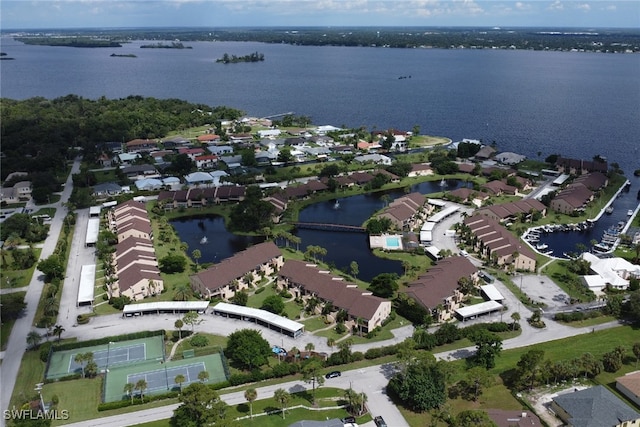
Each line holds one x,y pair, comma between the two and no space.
199,341
340,328
44,351
260,290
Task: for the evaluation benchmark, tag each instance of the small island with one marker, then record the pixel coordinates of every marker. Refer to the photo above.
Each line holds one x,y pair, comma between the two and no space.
4,56
124,55
68,41
173,45
233,59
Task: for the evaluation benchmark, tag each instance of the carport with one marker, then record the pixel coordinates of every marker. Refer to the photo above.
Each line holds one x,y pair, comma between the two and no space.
473,311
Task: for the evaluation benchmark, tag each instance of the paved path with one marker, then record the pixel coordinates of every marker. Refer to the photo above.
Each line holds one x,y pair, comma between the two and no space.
16,345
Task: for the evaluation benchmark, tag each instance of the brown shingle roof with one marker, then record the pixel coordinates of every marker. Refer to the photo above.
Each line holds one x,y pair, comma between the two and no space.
223,273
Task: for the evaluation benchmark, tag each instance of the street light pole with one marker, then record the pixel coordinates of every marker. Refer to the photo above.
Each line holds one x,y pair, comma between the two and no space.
108,353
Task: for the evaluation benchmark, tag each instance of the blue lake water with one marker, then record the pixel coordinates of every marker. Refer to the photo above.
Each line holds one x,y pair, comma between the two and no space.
531,102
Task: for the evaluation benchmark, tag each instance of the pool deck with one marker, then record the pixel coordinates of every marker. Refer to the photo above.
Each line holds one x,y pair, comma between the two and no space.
381,242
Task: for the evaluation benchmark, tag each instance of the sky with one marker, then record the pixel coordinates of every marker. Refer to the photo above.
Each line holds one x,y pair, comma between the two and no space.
40,14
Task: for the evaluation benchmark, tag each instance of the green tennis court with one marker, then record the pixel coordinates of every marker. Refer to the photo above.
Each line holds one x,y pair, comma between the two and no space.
106,356
160,377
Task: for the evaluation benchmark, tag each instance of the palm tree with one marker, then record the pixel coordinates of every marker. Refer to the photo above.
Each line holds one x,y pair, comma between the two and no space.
282,397
142,386
309,347
58,330
179,324
251,394
182,292
179,380
128,388
33,339
79,358
203,376
196,255
331,342
516,318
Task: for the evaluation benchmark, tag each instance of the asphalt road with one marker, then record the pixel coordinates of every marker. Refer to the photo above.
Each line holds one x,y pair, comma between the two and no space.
16,345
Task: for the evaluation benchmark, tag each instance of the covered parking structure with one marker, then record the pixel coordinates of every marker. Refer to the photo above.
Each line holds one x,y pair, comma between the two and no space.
260,317
473,311
450,210
158,307
87,282
93,230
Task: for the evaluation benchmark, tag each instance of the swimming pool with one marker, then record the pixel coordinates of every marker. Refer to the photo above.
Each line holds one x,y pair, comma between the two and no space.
392,242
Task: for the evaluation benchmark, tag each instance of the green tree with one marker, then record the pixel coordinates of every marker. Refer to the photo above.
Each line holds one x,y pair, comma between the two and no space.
636,352
515,316
250,395
240,298
282,397
141,385
384,285
474,418
128,389
52,267
33,339
529,368
488,346
179,324
192,318
273,304
353,267
179,379
172,263
421,387
196,255
248,348
12,306
200,406
311,375
58,330
182,292
478,378
203,376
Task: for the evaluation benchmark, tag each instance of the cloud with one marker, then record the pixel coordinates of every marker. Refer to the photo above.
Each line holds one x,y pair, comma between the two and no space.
556,5
585,7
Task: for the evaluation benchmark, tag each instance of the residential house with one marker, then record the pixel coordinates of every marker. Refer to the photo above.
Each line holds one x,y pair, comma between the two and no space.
208,138
127,158
467,195
136,268
20,192
139,171
629,385
579,166
407,211
438,289
420,169
512,211
496,244
572,198
498,188
378,159
238,272
594,406
509,158
207,161
305,280
192,153
504,418
486,152
107,189
612,273
141,146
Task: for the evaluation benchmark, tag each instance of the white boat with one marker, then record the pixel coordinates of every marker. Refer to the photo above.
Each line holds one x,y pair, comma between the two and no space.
549,252
204,240
541,246
609,210
336,205
629,212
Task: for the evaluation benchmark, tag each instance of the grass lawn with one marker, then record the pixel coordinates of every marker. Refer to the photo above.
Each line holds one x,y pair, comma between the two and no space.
10,278
314,324
106,176
79,397
567,281
215,341
6,327
331,333
256,300
590,322
31,373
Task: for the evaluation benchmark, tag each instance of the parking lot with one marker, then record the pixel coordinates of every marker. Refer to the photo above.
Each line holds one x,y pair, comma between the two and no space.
542,289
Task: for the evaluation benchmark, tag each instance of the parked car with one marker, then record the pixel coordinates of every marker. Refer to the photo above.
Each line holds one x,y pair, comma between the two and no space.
333,374
379,421
349,420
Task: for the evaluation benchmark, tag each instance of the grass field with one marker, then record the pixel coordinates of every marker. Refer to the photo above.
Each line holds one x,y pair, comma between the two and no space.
11,278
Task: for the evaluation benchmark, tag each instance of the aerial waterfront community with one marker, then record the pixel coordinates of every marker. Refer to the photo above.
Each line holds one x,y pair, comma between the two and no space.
490,318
